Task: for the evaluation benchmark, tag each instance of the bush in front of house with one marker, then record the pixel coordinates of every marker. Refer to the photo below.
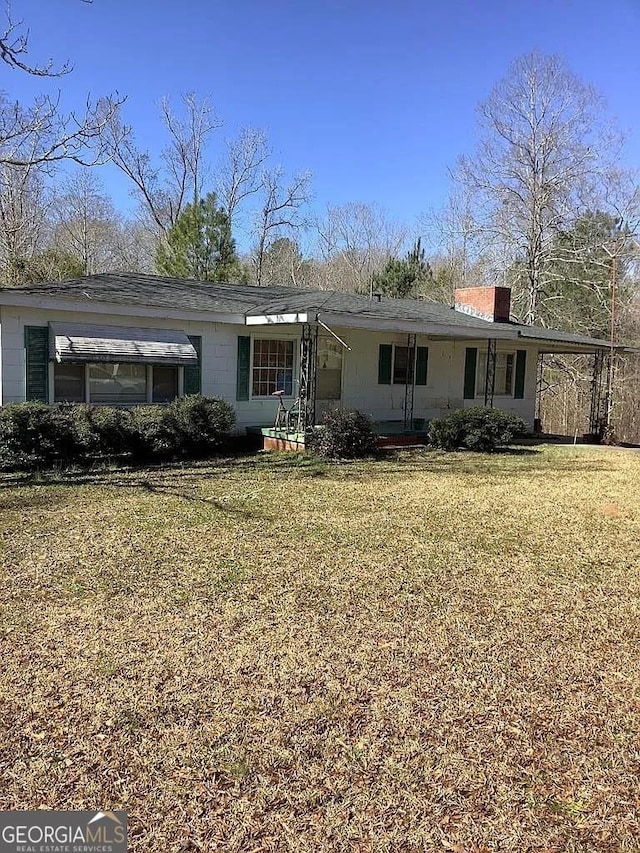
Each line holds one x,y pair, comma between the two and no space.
478,428
343,435
100,431
187,428
150,438
198,425
36,435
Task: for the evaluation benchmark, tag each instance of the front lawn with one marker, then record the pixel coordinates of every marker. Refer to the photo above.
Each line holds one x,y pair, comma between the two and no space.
431,652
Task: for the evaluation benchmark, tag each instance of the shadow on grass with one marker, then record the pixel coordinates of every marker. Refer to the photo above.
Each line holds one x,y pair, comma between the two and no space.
507,462
171,478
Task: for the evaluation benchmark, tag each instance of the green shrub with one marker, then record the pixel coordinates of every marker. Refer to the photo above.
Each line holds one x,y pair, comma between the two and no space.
479,428
150,436
112,430
187,428
35,435
343,435
198,425
101,431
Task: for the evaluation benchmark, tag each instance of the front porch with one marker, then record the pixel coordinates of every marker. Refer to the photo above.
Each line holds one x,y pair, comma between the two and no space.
389,434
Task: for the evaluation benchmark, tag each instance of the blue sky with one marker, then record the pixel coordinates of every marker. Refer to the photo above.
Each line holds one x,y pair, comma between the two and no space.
375,98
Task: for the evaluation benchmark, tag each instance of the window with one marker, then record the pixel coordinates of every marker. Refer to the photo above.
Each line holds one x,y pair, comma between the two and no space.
329,373
118,384
402,365
68,383
115,384
503,384
272,367
165,384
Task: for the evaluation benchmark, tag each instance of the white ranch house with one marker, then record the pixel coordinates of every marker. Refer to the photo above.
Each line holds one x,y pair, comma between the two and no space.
126,339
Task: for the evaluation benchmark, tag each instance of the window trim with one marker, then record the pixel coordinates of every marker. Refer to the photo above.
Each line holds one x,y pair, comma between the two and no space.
386,366
294,366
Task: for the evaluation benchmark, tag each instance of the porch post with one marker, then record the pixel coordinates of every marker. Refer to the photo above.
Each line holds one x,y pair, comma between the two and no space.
308,364
537,415
490,375
410,382
611,374
599,415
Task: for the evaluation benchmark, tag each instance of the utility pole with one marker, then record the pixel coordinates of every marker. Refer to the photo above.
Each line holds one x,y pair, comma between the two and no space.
611,360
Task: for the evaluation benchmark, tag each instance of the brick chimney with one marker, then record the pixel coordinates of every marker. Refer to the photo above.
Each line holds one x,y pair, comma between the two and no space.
486,303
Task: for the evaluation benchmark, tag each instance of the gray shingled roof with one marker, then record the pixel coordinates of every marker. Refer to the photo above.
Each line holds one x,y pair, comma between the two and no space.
187,295
152,290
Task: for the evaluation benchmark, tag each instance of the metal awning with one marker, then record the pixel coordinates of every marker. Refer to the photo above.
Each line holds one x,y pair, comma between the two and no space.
84,343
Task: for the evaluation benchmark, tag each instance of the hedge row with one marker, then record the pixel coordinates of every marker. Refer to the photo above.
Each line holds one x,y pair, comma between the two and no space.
35,435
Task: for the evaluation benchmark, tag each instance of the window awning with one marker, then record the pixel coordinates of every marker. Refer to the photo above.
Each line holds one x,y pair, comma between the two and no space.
80,342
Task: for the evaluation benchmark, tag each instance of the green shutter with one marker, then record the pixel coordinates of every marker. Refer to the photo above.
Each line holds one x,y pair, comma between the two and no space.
521,368
470,361
244,355
36,344
385,355
193,372
422,358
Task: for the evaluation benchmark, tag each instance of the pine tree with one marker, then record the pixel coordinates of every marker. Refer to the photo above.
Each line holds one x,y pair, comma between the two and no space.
200,245
403,278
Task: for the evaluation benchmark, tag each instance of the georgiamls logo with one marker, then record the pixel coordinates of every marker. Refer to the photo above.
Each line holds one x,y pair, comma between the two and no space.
43,831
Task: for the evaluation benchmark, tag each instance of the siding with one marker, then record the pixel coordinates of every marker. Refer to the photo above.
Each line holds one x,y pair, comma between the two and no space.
442,393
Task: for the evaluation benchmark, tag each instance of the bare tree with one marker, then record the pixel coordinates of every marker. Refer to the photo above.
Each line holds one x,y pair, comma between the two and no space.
354,241
14,45
134,249
542,149
164,188
86,223
451,231
241,173
280,211
23,209
283,263
42,134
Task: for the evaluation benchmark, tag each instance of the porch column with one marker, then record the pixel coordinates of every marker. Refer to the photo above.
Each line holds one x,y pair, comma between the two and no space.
410,381
537,415
600,412
490,374
308,366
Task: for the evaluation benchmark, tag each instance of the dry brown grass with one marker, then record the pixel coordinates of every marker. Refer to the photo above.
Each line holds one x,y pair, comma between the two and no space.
426,653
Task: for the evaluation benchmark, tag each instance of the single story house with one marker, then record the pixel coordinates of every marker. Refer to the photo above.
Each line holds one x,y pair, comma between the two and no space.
127,339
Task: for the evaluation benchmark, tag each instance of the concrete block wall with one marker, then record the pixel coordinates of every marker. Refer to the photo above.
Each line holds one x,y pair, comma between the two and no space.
360,389
445,378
